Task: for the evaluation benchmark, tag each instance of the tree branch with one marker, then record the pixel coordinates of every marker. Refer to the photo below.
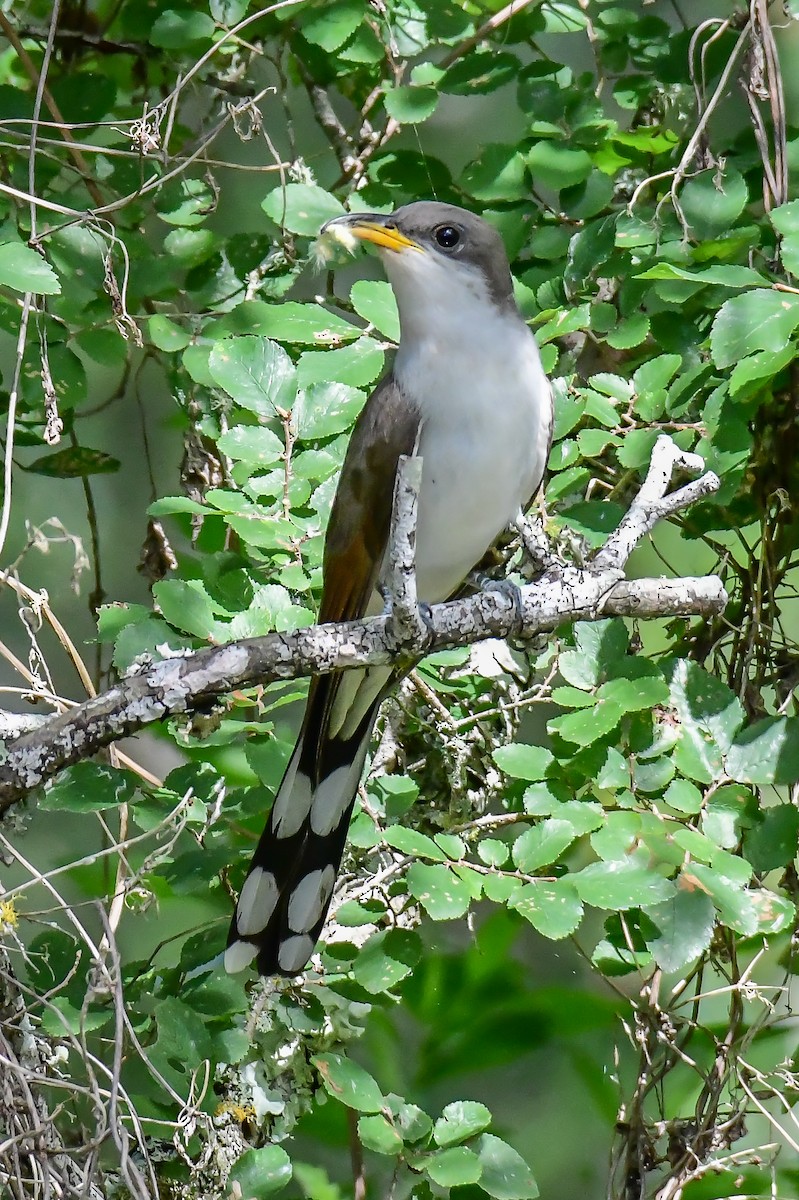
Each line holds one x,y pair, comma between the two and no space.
562,593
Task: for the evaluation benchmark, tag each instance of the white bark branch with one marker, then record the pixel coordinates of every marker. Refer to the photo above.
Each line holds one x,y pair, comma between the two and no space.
562,593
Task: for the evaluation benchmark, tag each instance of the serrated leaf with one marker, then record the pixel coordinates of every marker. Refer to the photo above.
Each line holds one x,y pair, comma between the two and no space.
348,1082
523,762
712,201
542,845
330,27
709,714
410,105
302,207
620,884
505,1174
439,890
599,645
763,365
412,841
374,300
255,372
756,320
252,444
324,409
685,924
766,752
187,606
557,166
733,903
379,1135
412,1122
26,271
551,907
386,959
459,1121
454,1167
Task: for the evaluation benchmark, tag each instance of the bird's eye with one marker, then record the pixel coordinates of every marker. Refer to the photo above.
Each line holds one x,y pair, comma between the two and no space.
447,236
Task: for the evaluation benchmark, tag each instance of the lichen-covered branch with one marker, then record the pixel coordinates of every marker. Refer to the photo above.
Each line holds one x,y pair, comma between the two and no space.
562,593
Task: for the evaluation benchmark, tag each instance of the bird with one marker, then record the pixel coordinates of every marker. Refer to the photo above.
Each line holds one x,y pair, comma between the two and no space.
467,392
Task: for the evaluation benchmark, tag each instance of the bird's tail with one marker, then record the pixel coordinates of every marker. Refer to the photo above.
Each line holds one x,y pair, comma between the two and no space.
287,892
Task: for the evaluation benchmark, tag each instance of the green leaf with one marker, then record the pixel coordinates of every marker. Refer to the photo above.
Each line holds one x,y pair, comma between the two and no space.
553,908
454,1167
763,365
599,645
685,926
684,796
379,1135
374,300
176,27
324,409
166,334
773,843
505,1174
26,271
492,852
256,372
480,72
410,105
757,320
411,1121
523,762
439,890
556,166
357,364
731,277
291,321
187,606
74,462
785,220
588,724
733,903
331,26
89,787
542,845
713,200
412,841
252,444
459,1121
260,1172
387,958
346,1081
302,207
620,884
765,753
498,174
709,715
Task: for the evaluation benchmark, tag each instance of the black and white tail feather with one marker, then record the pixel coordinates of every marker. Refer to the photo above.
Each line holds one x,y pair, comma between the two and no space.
287,892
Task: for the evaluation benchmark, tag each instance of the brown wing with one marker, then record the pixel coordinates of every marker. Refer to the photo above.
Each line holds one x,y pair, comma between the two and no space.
357,534
361,512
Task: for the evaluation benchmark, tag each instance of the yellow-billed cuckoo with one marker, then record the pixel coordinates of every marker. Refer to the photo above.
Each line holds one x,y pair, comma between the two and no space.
467,392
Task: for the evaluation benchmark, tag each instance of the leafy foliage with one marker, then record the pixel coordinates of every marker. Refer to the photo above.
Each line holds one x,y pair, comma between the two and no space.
624,796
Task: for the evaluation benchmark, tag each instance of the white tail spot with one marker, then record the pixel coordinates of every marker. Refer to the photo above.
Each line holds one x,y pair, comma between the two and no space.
309,898
256,902
292,803
238,956
295,952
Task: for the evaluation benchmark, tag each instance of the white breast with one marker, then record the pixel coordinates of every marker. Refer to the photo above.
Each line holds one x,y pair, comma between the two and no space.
486,421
